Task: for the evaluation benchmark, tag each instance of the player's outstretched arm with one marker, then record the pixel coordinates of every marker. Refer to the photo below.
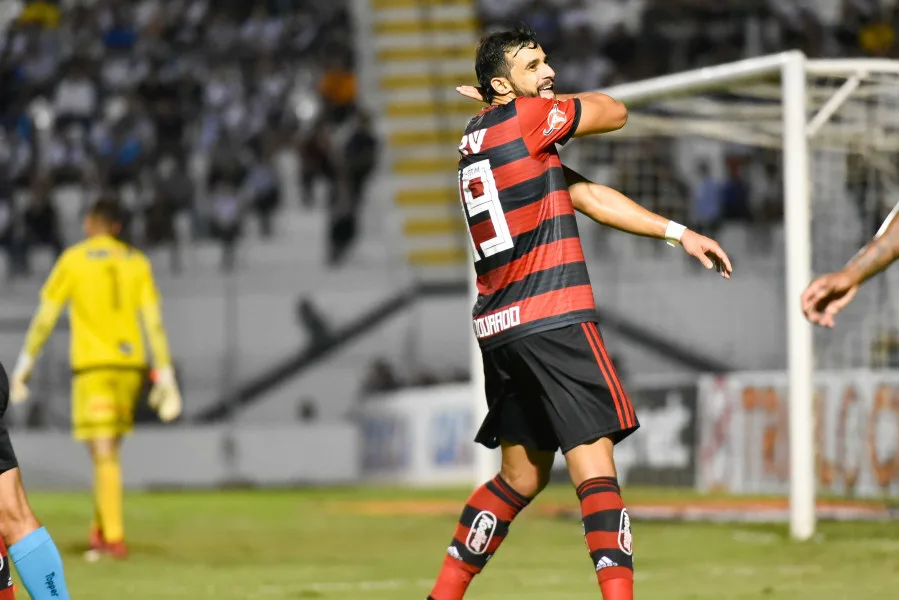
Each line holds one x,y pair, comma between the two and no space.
829,294
42,324
612,208
54,296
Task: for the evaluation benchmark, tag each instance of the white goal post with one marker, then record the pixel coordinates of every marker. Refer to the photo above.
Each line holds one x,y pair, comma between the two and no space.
802,116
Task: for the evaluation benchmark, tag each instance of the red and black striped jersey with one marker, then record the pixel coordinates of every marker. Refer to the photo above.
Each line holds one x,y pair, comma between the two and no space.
530,266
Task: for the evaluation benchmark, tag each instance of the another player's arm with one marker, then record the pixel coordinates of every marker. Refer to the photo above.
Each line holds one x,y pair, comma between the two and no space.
875,256
54,296
829,294
612,208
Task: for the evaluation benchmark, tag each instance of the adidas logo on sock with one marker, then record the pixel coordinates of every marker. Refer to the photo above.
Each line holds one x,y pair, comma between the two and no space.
604,562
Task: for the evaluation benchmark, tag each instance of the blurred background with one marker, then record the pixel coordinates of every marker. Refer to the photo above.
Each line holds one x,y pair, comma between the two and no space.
289,166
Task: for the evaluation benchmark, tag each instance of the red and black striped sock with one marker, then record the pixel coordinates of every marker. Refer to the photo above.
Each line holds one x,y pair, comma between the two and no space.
482,527
7,589
607,529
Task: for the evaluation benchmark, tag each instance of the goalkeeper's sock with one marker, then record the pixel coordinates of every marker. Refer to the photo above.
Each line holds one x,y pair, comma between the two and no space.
607,528
7,590
40,566
482,527
108,496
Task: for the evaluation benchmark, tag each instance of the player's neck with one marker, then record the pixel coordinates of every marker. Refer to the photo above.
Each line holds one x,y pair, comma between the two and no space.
500,100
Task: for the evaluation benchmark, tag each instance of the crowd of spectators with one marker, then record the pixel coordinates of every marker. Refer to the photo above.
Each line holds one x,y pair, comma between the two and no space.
121,98
597,43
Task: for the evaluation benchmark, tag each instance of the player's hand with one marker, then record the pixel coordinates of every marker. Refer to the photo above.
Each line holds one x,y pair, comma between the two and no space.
471,92
18,388
165,397
826,296
707,251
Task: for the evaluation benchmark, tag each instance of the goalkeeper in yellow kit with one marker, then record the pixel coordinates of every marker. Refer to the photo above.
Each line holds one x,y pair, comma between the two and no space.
109,289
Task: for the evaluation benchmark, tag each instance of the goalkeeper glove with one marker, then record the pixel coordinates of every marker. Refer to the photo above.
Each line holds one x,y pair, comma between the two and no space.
164,396
18,391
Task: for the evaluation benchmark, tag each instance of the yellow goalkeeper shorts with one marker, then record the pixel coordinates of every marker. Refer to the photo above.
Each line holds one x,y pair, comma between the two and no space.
103,402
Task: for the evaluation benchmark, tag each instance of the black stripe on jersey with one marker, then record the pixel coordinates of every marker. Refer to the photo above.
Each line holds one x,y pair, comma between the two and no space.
550,230
492,117
574,123
534,189
498,156
539,282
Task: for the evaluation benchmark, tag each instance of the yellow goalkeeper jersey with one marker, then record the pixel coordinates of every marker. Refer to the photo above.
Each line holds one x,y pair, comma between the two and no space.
109,288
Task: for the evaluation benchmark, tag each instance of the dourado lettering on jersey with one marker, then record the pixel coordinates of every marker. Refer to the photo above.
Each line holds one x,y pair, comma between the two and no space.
497,322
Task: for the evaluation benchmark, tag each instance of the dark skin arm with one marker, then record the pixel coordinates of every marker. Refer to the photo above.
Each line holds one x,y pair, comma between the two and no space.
829,294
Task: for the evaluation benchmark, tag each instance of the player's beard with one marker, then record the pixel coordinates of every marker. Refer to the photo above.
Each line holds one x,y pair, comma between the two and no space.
523,93
537,93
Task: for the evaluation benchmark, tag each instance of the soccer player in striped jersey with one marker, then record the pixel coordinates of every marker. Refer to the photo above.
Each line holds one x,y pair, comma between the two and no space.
549,381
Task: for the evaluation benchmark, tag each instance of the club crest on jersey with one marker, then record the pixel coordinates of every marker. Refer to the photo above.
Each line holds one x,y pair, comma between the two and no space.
625,537
482,529
555,119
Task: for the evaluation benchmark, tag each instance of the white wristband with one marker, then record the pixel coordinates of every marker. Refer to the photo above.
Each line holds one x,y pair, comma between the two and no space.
673,233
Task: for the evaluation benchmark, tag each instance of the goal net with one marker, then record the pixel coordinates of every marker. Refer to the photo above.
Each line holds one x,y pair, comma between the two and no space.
792,165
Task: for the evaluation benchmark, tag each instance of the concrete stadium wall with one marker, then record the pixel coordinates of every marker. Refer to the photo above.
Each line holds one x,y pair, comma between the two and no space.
200,457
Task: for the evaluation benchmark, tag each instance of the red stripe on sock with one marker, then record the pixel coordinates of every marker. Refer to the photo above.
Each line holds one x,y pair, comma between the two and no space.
601,540
607,480
513,495
491,503
610,574
601,501
592,484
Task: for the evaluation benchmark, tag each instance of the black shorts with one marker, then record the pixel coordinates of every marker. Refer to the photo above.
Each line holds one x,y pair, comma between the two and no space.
554,389
7,455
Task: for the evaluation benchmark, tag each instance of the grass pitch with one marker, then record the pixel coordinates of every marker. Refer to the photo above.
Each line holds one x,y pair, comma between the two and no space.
384,544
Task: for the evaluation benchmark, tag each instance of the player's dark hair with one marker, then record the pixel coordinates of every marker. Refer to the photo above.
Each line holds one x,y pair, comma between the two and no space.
107,210
490,60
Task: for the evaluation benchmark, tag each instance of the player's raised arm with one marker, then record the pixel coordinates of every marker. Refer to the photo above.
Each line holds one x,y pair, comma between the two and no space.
165,397
829,294
612,208
54,296
600,113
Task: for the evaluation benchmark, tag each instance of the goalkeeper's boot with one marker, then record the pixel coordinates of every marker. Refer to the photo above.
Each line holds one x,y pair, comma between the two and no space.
117,550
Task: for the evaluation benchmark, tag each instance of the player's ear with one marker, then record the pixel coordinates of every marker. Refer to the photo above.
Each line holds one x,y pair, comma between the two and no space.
501,86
